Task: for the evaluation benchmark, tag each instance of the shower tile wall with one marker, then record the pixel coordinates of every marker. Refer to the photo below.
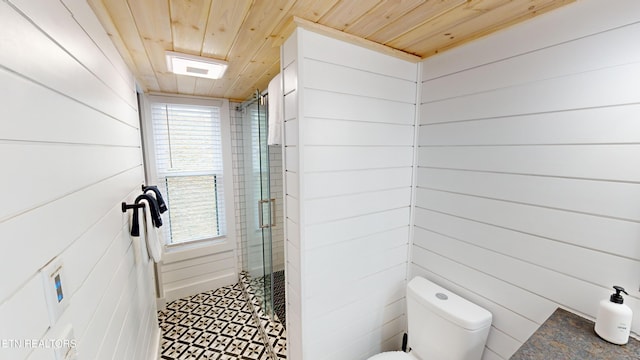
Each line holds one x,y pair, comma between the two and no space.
277,232
237,158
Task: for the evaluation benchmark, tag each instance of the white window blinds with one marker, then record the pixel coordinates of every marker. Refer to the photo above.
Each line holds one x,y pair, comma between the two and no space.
188,152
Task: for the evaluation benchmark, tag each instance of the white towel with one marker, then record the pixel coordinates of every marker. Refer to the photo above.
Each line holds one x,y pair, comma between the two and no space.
275,111
139,252
150,233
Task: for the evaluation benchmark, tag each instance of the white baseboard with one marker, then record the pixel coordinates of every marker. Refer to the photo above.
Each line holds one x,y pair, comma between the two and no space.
155,347
161,304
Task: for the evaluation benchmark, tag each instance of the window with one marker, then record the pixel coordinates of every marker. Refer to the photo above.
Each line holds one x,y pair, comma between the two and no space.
188,157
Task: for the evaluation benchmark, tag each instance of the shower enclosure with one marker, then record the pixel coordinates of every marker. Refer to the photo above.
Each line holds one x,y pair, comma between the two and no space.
263,249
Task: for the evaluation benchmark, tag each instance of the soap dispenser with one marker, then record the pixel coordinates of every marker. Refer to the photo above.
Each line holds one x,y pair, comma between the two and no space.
613,322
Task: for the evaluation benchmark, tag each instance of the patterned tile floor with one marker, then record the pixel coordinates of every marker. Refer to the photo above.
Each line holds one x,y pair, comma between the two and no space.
279,303
257,287
217,324
221,324
273,328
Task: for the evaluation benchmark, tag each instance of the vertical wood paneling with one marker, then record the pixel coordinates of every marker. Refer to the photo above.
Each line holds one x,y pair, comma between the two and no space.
73,135
350,171
524,181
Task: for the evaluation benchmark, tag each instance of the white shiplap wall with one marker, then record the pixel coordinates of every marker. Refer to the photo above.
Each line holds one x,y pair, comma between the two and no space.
70,153
349,134
528,191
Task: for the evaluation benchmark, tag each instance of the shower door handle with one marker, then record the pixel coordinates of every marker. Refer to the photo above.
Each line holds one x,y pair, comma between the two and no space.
272,208
261,223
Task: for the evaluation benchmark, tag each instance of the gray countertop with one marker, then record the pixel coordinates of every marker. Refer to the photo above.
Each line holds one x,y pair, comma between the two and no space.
565,335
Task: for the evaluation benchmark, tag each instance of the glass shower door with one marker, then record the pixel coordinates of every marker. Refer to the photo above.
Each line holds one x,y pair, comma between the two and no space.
260,205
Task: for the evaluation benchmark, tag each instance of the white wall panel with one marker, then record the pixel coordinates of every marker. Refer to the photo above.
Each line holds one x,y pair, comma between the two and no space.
367,290
502,344
524,175
290,110
84,15
355,138
54,72
587,196
377,251
542,251
71,130
62,160
583,126
349,228
324,158
99,281
356,108
114,328
289,82
291,131
602,162
541,64
292,156
59,23
96,330
574,91
103,196
323,184
326,49
346,206
385,338
545,282
332,77
29,309
574,228
89,126
289,50
354,133
204,265
292,187
594,19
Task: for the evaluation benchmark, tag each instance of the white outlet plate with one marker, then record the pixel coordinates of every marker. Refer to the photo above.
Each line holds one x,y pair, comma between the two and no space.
54,283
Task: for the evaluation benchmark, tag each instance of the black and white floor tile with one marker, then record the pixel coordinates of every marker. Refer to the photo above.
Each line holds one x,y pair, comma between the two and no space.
216,325
273,328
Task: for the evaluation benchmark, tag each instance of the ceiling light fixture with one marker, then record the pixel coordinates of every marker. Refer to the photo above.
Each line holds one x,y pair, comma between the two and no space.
184,64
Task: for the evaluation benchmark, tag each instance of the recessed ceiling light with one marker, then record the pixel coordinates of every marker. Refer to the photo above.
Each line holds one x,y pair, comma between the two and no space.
184,64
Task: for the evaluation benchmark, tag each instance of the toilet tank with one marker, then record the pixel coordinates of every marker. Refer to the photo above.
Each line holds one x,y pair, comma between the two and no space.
442,325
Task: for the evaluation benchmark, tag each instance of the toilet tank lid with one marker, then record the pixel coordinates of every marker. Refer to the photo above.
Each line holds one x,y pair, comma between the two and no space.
448,305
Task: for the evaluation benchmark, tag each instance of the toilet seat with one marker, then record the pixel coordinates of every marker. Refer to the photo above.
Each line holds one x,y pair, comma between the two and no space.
393,355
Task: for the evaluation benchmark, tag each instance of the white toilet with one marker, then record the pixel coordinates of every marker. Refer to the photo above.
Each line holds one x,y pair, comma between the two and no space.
442,325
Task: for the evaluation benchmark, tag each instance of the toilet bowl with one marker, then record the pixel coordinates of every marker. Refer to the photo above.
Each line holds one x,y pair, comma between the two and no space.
441,325
393,355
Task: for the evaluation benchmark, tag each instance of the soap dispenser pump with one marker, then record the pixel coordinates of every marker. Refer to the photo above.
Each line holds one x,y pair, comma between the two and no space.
613,322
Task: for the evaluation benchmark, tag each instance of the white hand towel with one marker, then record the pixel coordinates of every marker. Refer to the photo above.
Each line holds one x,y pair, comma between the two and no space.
151,235
275,115
139,252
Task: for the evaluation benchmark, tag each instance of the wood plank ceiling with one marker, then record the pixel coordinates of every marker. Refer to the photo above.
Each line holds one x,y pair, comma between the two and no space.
248,33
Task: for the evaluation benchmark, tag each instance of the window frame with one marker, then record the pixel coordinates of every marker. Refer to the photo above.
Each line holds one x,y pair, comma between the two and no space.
218,243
